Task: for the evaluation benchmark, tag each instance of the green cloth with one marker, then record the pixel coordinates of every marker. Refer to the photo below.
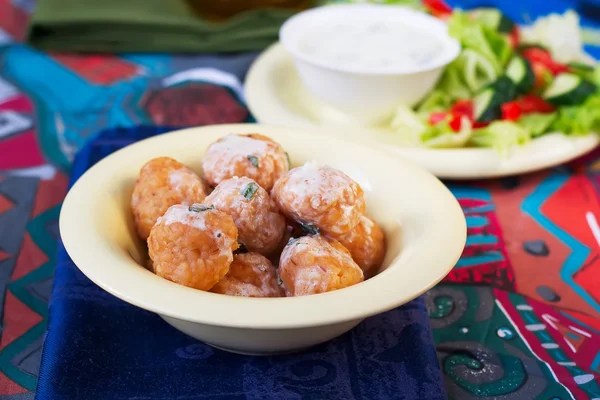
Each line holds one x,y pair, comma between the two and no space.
147,26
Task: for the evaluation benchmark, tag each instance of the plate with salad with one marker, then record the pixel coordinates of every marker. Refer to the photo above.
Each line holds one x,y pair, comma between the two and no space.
517,99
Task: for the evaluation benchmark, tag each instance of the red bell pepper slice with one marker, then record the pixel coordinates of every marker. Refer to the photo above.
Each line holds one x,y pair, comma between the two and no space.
542,75
543,57
463,107
511,111
534,104
460,109
456,123
454,120
478,125
437,8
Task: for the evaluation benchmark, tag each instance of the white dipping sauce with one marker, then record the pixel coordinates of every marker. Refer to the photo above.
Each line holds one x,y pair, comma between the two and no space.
367,44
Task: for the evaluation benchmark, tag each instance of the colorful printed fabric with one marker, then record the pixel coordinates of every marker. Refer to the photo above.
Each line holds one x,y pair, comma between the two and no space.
518,318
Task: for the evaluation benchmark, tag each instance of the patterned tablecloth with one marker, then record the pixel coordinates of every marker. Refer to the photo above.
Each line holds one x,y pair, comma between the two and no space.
518,318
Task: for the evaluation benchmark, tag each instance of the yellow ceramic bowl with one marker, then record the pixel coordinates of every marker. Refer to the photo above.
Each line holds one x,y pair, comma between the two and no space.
424,224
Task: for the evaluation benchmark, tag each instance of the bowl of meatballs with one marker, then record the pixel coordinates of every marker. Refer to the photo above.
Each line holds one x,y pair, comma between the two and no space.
258,239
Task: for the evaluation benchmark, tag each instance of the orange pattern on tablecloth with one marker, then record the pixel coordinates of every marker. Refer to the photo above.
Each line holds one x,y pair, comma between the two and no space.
30,258
101,69
586,319
19,321
8,387
532,271
50,193
568,209
5,204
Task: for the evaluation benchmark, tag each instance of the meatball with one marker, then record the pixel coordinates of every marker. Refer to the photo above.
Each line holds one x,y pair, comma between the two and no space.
193,246
252,155
315,264
292,230
163,182
250,275
260,226
320,196
366,243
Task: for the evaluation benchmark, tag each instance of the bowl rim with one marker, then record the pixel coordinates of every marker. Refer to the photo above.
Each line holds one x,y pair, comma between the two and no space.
451,46
371,297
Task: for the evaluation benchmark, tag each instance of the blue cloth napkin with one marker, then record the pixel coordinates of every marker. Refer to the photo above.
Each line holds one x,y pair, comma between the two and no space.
99,347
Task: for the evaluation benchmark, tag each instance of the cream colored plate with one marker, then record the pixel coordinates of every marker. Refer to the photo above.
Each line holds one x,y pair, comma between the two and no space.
276,96
424,224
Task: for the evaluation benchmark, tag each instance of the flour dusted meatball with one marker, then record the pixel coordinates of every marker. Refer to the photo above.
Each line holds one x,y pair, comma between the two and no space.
292,230
163,182
250,275
315,264
321,196
193,245
256,216
366,243
252,155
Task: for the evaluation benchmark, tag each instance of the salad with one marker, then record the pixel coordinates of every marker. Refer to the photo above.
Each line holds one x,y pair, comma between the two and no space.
508,85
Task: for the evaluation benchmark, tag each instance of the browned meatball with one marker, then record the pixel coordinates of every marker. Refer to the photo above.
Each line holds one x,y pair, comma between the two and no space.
366,243
250,275
163,182
253,155
315,264
193,245
321,196
292,230
256,216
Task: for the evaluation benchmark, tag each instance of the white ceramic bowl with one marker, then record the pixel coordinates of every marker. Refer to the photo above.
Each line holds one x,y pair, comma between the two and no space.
424,224
369,95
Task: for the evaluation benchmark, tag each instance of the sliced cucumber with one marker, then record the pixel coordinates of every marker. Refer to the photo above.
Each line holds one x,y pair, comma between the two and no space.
586,71
494,19
521,48
568,90
505,25
520,72
478,71
488,102
581,66
506,88
486,105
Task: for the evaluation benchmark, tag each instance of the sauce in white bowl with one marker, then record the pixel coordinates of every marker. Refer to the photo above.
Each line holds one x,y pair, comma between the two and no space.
372,45
365,59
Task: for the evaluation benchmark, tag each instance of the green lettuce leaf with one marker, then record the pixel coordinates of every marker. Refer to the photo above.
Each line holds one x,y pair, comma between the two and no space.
440,136
416,130
537,124
500,135
596,75
480,38
482,60
486,16
452,81
500,46
437,100
581,119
